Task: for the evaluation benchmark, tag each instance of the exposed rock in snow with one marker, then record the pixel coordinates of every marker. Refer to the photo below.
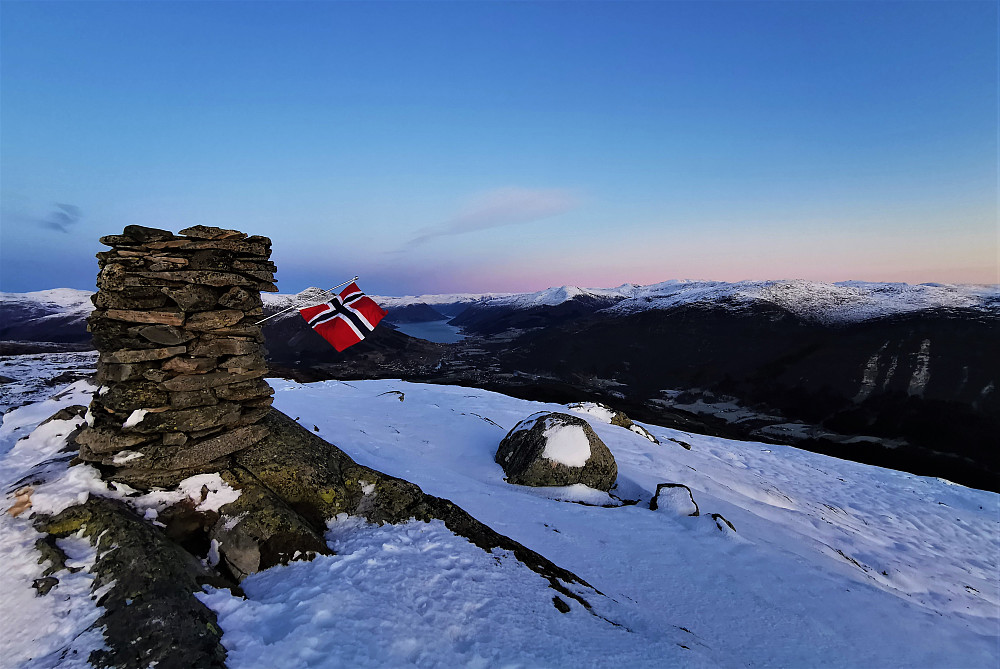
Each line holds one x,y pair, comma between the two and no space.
674,498
724,525
261,531
556,449
147,583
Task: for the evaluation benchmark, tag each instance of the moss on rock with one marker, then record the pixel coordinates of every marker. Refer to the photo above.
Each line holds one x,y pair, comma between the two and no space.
151,614
259,530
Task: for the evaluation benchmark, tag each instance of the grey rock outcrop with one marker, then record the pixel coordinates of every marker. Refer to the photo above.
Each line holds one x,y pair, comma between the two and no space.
556,449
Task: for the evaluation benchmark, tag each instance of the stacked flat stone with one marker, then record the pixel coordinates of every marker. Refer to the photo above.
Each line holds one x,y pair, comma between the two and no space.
181,361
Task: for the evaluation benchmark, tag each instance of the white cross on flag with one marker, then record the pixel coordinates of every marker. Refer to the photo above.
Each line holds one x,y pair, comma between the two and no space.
346,319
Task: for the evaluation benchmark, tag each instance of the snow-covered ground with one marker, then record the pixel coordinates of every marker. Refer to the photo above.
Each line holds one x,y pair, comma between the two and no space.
832,564
33,378
49,631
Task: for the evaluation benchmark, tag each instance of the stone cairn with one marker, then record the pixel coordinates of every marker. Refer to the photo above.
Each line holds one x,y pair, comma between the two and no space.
181,361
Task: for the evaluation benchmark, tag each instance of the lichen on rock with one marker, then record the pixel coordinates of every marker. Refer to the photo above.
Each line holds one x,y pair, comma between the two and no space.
151,616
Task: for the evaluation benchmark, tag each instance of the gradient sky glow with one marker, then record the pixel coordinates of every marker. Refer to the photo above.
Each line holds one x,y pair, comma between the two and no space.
502,146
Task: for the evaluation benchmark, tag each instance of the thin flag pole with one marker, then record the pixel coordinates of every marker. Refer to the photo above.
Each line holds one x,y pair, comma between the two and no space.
296,306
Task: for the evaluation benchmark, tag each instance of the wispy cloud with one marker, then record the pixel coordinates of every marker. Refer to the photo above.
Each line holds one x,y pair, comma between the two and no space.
501,207
61,218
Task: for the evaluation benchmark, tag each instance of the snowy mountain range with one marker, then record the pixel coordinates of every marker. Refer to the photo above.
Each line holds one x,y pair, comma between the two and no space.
847,301
820,562
56,316
28,316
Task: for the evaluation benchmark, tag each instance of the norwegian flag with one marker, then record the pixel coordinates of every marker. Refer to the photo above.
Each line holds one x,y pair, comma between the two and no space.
346,319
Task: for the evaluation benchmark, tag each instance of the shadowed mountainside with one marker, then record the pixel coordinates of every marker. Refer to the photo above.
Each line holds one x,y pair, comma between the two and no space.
921,386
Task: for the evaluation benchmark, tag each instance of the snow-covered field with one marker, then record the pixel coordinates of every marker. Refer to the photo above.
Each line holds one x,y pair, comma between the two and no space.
832,564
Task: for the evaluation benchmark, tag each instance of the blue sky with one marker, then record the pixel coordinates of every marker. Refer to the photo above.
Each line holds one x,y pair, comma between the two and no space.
501,146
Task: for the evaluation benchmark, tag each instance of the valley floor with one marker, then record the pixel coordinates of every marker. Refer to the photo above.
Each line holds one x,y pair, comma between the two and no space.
832,563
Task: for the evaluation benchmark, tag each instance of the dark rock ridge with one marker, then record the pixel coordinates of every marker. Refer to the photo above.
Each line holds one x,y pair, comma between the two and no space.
921,386
487,318
546,450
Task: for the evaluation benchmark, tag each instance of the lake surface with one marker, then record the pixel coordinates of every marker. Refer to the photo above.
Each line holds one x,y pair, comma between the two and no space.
436,331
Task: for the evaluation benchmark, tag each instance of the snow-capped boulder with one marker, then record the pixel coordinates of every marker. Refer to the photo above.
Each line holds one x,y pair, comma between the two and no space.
674,498
606,414
556,449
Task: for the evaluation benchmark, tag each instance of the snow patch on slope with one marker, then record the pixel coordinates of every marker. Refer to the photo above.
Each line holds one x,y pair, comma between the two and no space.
594,410
551,297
